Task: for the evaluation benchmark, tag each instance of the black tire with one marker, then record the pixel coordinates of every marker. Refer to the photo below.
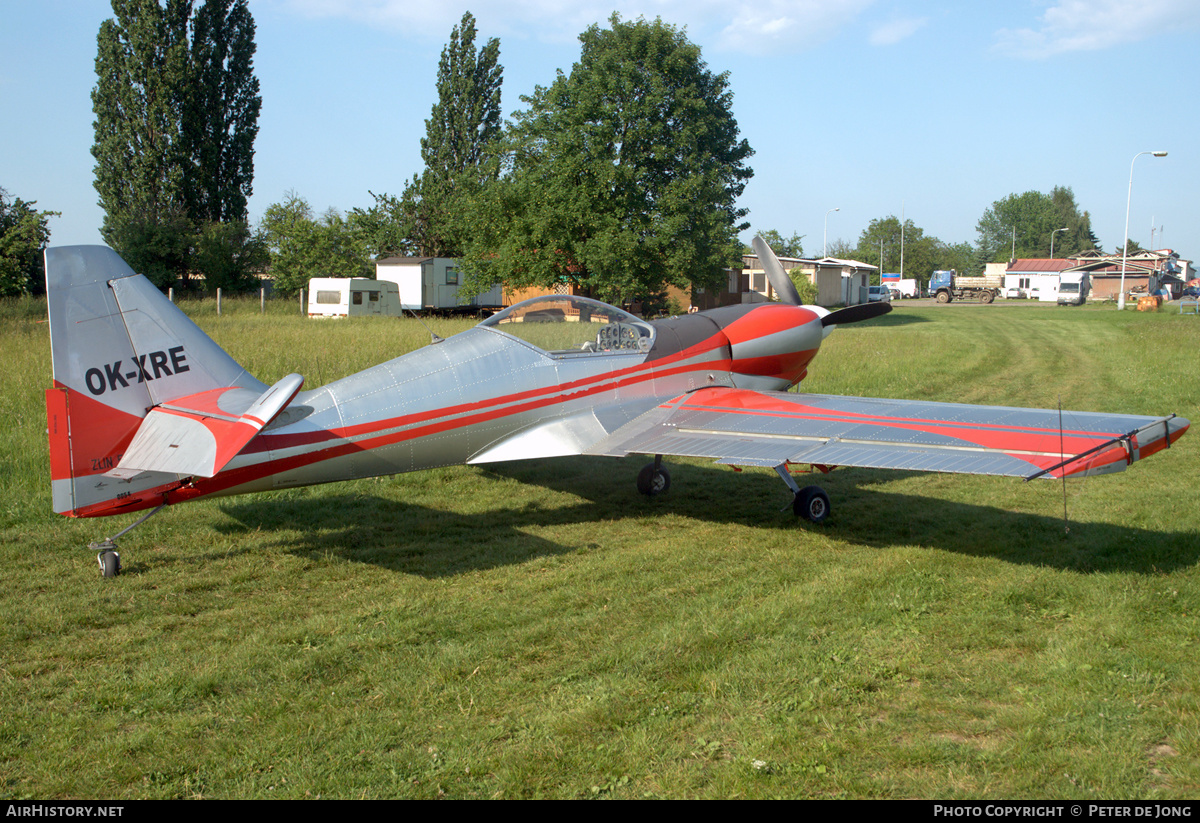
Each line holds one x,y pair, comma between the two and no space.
988,297
110,563
943,297
653,482
811,503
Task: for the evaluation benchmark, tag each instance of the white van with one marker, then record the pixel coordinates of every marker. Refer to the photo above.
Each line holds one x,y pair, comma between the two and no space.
352,296
1073,288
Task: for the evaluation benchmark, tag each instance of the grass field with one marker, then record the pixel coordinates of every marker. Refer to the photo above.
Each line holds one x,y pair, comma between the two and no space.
541,630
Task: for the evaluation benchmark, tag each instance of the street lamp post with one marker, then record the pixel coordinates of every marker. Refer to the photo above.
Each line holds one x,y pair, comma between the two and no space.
1128,200
1056,231
825,236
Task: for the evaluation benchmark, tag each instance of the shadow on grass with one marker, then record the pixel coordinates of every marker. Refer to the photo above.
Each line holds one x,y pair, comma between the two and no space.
471,535
892,318
383,532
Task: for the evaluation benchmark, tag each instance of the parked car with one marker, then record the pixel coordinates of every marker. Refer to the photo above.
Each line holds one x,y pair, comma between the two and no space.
1014,293
876,294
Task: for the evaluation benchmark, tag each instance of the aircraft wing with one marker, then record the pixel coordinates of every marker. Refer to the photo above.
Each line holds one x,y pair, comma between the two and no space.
740,427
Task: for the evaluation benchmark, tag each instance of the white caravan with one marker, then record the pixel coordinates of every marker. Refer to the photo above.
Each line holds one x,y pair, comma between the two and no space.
352,297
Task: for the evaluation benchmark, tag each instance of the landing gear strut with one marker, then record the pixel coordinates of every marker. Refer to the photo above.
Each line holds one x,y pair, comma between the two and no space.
106,549
811,502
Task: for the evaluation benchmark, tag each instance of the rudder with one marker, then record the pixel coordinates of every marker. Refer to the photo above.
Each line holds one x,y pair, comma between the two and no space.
119,347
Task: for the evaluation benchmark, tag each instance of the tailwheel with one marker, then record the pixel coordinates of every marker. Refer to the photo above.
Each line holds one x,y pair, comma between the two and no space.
106,550
107,557
653,479
811,503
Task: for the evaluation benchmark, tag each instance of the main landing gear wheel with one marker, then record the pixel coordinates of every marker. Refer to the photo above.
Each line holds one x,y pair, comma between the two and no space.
811,503
107,557
653,479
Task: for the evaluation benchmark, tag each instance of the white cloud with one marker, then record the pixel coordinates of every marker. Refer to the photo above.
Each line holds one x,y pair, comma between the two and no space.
752,26
1090,25
897,30
768,26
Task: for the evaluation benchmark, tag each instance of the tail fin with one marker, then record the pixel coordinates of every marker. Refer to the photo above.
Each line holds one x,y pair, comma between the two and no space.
119,348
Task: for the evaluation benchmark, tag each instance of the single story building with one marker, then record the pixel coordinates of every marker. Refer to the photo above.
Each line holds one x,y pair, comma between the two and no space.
1144,272
1037,278
838,282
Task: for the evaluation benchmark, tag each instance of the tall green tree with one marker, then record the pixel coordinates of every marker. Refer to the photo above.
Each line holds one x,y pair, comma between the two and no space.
1024,222
142,69
879,242
175,125
220,120
922,253
962,257
1132,248
385,227
458,145
24,233
301,246
784,246
230,256
624,173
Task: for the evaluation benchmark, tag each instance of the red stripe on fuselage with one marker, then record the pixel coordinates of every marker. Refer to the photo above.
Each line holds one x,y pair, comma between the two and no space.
378,434
542,396
789,366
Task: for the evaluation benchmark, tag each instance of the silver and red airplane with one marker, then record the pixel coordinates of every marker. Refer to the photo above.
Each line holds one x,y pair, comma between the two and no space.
147,411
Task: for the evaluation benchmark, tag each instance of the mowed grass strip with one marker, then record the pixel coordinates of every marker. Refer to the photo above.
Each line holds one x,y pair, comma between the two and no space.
540,630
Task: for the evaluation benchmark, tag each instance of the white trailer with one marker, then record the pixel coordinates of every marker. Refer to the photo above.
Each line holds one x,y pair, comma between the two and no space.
351,297
431,284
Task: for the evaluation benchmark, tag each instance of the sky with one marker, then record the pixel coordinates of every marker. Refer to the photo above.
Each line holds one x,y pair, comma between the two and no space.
928,109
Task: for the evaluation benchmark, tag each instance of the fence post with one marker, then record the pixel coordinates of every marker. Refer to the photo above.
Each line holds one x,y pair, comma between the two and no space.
218,301
262,301
301,302
171,293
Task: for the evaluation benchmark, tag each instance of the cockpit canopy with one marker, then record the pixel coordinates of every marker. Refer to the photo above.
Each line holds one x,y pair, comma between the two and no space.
564,324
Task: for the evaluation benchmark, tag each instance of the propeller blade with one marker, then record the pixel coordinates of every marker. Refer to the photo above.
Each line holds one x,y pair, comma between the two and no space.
853,314
779,279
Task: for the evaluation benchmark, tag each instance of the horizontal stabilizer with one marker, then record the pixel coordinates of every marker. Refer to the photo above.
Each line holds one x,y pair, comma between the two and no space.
199,434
